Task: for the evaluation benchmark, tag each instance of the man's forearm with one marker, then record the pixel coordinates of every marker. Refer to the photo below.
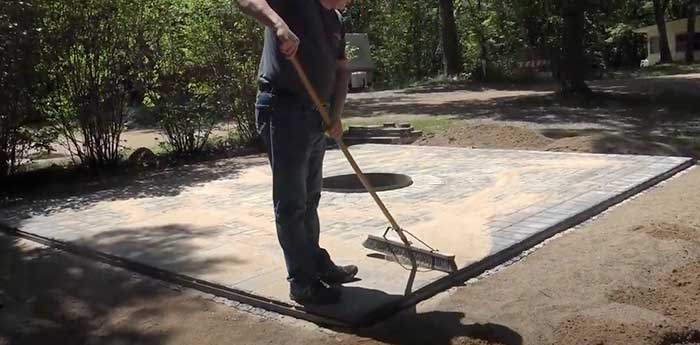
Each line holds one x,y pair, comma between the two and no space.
261,11
340,91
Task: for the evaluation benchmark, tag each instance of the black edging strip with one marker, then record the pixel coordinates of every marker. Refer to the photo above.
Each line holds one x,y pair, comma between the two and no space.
179,279
375,316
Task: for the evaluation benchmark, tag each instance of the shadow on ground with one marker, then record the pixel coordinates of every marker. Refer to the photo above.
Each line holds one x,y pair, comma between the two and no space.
47,297
643,116
439,328
635,144
478,87
48,198
611,110
47,294
168,247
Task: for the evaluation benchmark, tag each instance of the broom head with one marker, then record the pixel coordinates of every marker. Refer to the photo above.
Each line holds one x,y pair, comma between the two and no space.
397,251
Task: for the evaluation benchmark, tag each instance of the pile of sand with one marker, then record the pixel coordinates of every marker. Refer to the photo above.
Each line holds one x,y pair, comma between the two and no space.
487,136
610,144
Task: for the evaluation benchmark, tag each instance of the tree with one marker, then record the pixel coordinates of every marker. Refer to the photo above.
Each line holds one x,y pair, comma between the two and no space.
477,17
404,36
690,41
660,7
573,67
205,73
91,45
451,51
22,85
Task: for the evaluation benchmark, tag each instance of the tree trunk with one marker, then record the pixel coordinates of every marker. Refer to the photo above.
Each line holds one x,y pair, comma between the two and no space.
450,43
573,67
690,41
484,62
660,16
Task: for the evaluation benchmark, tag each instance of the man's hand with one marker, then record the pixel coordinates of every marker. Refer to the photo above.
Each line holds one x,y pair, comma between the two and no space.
336,129
288,41
263,13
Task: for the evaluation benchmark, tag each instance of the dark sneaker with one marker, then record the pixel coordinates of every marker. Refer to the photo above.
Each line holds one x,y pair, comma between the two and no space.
339,275
316,293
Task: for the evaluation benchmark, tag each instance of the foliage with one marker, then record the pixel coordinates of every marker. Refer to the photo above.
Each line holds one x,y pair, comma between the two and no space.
89,47
230,47
90,65
623,47
187,63
352,51
404,37
204,73
497,36
21,85
184,115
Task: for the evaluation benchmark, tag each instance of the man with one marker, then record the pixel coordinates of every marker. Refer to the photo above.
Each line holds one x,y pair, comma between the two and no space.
293,131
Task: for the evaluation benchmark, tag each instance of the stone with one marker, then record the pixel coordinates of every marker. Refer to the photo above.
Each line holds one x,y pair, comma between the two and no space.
142,158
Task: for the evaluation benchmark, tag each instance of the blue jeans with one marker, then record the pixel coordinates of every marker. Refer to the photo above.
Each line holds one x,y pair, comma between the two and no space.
294,136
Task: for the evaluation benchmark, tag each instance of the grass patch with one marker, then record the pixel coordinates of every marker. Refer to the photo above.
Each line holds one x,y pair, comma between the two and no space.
432,125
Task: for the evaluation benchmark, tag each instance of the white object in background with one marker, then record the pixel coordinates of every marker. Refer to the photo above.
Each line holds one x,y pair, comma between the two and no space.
644,63
358,80
361,60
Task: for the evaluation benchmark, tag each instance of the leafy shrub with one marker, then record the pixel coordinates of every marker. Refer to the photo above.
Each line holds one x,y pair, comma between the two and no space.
21,85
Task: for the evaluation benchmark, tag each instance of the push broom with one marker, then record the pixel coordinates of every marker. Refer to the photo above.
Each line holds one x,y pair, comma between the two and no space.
402,252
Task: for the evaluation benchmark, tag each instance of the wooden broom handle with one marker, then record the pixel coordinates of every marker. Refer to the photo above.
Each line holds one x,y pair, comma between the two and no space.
327,120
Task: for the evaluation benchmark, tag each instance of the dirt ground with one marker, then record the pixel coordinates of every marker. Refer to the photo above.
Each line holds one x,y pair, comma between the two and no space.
630,276
639,116
514,137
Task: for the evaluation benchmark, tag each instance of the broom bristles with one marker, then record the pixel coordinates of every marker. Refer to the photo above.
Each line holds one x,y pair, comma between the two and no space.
397,251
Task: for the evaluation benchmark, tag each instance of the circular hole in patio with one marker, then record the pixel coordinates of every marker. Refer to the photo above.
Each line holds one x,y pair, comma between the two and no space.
351,183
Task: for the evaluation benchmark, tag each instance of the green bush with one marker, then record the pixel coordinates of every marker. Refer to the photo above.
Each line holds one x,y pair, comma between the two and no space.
229,46
404,37
21,85
90,46
205,67
184,115
87,65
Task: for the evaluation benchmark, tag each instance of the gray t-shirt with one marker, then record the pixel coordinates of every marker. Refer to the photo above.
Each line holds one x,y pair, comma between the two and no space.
322,43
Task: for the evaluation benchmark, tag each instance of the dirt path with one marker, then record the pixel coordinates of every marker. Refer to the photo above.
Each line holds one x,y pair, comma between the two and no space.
637,116
442,100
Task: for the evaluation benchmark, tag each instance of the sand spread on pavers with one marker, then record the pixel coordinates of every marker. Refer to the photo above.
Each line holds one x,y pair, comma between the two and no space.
465,221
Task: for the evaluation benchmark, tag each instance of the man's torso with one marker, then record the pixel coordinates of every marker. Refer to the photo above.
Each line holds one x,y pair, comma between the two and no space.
322,43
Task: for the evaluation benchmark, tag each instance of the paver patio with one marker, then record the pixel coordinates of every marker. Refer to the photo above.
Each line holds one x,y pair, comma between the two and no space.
476,204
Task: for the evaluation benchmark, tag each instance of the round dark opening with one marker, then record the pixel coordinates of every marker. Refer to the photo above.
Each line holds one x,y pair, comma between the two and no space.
352,184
